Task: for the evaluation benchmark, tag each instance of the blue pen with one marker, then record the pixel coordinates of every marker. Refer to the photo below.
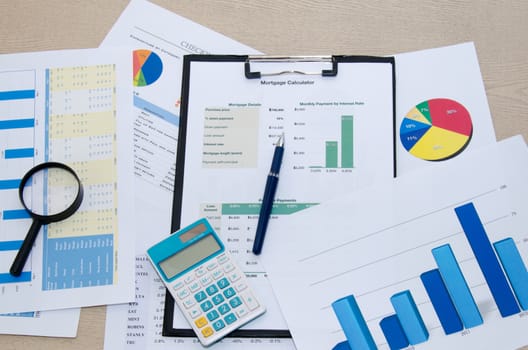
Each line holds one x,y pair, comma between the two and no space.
269,195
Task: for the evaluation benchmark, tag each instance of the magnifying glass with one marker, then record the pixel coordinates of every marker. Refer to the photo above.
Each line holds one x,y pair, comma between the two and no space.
62,194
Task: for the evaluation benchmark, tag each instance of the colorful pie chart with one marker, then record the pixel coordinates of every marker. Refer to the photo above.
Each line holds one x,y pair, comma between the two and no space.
147,67
436,129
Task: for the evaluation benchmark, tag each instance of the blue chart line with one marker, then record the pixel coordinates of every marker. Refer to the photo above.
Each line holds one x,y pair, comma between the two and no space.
19,153
15,214
9,184
17,124
447,290
16,95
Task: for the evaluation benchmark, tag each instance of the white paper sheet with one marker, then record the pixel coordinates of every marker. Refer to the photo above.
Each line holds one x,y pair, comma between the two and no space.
72,107
55,323
145,26
450,72
376,242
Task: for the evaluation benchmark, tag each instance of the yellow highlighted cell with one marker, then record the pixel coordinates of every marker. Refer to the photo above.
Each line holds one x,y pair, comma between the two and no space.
82,78
439,144
82,124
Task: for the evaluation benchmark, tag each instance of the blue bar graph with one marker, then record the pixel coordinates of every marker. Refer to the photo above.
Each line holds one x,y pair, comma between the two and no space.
515,269
410,319
15,214
8,278
19,153
9,184
487,260
394,333
17,123
10,245
442,303
16,95
342,346
457,286
353,324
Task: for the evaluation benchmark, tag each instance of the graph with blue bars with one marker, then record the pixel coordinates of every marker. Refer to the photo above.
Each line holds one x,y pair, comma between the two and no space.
505,276
17,130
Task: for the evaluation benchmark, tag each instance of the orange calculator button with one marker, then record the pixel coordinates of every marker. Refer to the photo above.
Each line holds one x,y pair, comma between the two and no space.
207,331
202,321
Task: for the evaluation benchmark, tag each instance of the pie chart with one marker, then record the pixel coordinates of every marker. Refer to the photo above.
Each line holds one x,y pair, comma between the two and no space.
147,67
436,129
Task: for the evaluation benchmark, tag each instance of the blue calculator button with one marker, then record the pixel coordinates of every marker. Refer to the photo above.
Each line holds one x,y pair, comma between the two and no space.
206,306
213,315
212,289
223,283
230,318
224,309
218,325
217,299
200,296
229,292
235,302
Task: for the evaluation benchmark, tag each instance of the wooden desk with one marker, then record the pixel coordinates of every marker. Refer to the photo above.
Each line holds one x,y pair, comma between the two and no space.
297,27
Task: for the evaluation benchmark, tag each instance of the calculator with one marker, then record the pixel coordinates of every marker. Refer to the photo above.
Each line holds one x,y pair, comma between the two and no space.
210,289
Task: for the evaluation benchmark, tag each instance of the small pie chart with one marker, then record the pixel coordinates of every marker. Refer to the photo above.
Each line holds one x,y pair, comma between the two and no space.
147,67
436,129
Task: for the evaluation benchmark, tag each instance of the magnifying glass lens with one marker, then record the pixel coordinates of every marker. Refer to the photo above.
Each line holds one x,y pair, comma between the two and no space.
50,191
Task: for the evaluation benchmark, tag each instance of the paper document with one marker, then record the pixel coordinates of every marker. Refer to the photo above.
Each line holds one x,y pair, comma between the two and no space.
375,244
145,27
338,136
71,107
55,323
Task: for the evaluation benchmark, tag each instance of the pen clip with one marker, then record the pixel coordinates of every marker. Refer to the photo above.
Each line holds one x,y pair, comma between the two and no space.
290,59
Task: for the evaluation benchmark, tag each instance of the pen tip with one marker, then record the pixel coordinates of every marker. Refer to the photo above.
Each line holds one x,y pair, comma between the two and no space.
280,141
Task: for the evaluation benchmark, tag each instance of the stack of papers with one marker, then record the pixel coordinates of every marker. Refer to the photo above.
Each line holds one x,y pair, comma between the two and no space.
90,108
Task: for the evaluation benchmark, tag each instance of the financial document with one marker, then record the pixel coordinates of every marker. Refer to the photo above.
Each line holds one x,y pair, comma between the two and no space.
70,107
385,238
156,35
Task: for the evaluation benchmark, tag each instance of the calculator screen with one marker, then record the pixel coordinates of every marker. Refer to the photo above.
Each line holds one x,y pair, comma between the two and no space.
191,255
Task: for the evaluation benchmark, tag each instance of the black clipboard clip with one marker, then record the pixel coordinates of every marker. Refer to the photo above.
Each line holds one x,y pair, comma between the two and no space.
290,59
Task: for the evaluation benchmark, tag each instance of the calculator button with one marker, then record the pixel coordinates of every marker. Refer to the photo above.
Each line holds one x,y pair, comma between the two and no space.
223,283
200,272
240,286
212,266
184,293
229,292
250,300
235,276
194,286
212,289
206,280
189,302
178,285
207,332
224,309
202,321
218,325
189,279
200,296
229,267
230,318
195,312
217,299
235,302
206,306
241,311
212,315
222,259
217,274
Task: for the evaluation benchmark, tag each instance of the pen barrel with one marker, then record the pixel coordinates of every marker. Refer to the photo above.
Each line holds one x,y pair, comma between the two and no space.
265,212
277,161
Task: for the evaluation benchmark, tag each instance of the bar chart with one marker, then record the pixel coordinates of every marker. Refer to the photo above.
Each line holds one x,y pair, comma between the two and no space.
340,154
17,122
500,263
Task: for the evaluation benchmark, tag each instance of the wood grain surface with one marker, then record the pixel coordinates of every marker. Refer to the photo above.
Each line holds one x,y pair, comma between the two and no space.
297,27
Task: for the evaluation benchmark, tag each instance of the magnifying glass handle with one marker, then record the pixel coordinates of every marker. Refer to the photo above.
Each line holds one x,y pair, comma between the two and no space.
25,249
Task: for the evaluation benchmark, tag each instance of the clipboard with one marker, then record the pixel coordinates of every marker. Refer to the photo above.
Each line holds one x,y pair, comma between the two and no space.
208,139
